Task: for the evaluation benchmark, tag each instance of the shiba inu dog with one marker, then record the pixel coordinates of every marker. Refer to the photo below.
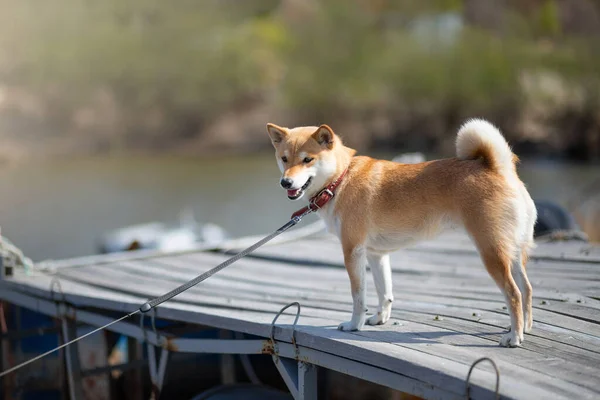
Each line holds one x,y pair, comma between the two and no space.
380,206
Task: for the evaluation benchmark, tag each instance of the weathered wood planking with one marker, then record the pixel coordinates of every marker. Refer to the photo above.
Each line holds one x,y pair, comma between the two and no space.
447,311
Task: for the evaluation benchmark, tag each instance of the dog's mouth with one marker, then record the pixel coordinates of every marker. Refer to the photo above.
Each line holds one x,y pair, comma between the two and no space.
295,194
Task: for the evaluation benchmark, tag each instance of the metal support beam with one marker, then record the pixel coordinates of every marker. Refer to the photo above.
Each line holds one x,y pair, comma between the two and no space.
288,369
227,363
307,381
300,377
157,375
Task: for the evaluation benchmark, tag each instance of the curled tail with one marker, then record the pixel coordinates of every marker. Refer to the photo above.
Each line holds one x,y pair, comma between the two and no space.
478,138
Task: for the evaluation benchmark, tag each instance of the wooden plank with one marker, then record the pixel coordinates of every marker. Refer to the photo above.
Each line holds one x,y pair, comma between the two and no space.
559,308
211,296
457,243
561,354
569,380
257,324
305,295
330,254
253,318
274,292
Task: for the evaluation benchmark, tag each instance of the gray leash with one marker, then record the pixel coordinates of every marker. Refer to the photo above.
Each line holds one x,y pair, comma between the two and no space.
16,367
161,299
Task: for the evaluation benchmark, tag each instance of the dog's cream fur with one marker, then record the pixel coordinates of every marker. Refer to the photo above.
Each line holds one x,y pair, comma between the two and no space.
381,206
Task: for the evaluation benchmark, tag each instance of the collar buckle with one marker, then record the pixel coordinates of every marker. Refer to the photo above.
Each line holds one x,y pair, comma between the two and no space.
321,199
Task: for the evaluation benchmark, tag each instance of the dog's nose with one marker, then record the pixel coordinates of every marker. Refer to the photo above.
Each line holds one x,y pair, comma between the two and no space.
286,183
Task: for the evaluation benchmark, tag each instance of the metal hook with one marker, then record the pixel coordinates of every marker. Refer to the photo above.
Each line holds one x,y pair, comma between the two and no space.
497,376
56,283
272,335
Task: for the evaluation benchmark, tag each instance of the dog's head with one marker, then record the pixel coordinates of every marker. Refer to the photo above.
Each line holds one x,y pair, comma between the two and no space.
306,157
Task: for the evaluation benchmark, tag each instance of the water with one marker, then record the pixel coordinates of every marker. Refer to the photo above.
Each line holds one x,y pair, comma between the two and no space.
61,208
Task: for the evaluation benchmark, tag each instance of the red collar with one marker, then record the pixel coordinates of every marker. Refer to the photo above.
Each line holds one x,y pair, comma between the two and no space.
319,200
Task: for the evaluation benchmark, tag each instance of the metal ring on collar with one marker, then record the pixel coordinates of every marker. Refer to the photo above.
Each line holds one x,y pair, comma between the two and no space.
497,376
272,335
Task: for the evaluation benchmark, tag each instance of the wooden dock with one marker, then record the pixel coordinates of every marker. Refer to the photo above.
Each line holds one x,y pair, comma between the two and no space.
447,313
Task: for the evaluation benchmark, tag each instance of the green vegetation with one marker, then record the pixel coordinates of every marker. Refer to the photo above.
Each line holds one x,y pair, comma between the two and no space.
170,69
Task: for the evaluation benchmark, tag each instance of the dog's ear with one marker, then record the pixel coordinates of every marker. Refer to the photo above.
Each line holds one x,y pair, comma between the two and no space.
276,133
324,136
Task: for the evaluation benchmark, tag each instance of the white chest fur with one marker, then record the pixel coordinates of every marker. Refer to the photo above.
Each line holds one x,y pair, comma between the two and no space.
332,221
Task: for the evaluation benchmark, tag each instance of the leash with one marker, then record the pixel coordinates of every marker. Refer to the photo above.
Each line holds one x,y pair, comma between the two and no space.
13,369
315,203
159,300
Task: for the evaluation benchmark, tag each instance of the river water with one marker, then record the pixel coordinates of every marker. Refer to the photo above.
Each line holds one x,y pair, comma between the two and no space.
61,208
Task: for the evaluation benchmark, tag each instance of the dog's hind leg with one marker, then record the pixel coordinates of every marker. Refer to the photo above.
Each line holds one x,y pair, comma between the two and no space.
519,273
498,264
382,276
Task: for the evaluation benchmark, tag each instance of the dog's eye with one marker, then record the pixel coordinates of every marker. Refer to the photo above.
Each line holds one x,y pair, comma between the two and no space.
307,160
284,159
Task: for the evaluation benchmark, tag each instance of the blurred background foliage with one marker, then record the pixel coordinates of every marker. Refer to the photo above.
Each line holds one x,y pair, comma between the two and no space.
88,77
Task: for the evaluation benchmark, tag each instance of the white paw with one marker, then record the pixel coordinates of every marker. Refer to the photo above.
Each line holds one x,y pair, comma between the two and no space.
511,339
378,319
349,326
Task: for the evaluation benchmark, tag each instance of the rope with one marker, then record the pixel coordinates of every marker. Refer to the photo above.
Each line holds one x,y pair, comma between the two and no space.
13,257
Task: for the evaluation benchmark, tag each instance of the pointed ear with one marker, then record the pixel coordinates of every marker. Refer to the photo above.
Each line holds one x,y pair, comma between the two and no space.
276,133
324,136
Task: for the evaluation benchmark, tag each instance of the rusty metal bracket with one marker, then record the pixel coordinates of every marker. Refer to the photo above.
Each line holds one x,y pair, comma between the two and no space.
157,369
272,333
468,393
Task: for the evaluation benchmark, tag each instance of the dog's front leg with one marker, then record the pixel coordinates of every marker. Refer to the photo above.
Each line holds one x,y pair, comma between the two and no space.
355,260
382,276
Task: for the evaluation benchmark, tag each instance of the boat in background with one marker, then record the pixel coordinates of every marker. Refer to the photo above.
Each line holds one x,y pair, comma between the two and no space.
163,237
